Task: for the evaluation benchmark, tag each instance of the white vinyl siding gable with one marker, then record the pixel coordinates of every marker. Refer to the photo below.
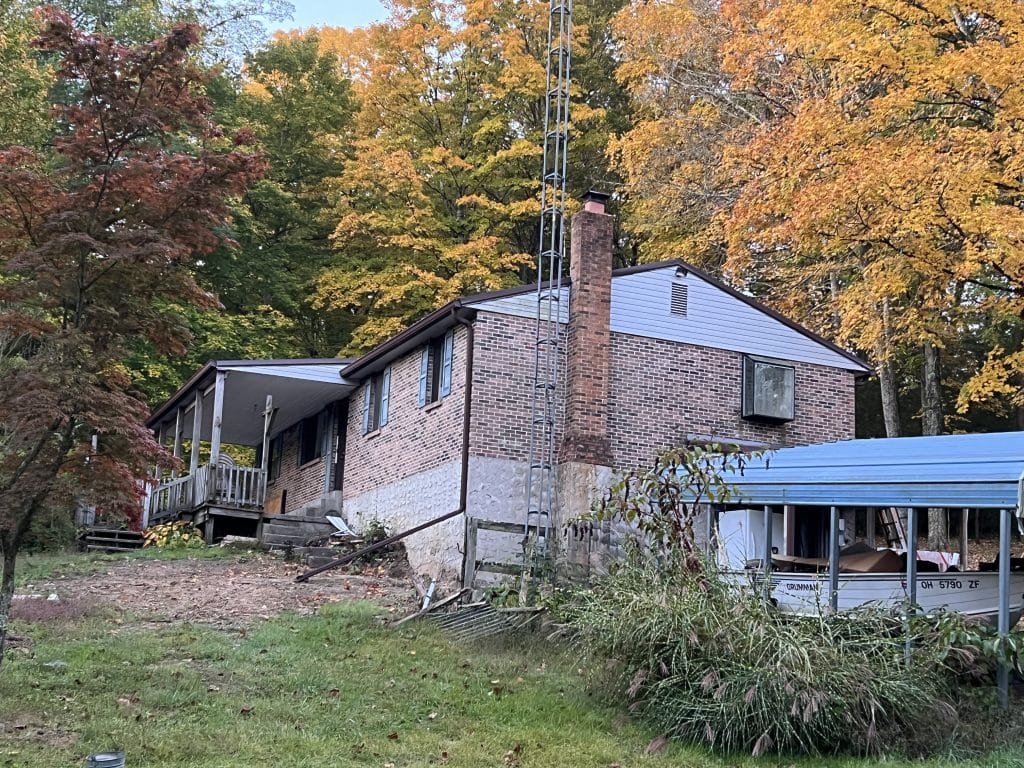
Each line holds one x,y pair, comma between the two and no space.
642,305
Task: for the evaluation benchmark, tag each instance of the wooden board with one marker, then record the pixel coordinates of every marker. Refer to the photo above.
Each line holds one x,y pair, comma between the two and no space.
272,506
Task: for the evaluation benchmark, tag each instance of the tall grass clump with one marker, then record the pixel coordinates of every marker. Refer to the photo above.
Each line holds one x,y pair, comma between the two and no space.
709,660
706,662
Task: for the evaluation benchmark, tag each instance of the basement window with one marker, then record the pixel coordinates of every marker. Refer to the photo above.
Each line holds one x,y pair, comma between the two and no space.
769,389
436,369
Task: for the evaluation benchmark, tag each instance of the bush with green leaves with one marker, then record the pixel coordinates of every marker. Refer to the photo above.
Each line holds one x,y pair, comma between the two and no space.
707,662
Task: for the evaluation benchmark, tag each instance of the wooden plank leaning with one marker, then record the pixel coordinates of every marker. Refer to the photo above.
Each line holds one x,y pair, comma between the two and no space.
375,546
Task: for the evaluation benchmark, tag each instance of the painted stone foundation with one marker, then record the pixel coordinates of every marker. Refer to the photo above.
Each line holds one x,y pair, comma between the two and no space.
402,504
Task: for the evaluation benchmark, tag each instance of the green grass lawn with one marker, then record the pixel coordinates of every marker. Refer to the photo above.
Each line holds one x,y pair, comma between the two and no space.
336,689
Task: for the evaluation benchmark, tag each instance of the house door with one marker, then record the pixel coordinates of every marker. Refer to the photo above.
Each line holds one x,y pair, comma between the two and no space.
341,427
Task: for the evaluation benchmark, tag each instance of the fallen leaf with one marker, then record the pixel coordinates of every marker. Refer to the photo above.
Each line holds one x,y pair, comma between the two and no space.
245,711
393,735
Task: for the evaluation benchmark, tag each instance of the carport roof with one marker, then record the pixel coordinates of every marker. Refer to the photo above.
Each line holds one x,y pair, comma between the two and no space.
962,471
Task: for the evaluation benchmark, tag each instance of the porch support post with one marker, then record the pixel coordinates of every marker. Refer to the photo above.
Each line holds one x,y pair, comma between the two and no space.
197,433
872,514
218,417
767,562
833,560
1003,674
179,427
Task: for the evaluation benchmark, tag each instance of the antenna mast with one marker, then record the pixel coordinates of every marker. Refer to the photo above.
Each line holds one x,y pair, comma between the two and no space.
540,478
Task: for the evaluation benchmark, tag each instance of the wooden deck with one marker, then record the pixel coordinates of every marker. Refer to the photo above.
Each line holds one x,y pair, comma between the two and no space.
221,491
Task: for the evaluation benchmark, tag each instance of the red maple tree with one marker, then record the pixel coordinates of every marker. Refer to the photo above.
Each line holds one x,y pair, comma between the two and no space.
96,235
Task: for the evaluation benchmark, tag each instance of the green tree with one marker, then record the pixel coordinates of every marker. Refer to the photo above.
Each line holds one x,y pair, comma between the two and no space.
439,197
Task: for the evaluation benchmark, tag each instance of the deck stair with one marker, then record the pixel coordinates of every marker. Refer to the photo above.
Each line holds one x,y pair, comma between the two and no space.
112,540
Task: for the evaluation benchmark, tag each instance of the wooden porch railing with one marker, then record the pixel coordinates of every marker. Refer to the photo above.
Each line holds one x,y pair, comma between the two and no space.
230,486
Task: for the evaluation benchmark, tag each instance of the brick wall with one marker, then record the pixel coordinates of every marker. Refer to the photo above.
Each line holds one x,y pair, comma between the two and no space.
663,391
303,484
415,439
503,363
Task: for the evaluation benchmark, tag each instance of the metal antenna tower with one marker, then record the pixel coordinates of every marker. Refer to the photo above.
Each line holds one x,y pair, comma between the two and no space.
540,478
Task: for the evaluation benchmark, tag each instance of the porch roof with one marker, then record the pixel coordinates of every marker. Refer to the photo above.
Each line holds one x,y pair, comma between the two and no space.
978,471
299,389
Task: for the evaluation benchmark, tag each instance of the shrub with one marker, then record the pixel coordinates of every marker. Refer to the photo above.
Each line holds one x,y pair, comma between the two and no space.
174,535
707,662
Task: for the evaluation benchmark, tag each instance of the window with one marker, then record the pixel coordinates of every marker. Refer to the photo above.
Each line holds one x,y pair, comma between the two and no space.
376,395
274,458
768,390
311,438
436,369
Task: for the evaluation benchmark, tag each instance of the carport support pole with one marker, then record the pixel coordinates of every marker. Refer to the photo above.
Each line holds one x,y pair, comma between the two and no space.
1003,674
833,560
911,538
964,519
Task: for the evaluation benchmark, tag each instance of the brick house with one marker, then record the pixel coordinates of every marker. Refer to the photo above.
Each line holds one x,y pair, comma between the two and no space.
437,418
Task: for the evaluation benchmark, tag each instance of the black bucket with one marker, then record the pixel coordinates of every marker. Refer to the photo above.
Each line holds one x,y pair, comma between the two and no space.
105,760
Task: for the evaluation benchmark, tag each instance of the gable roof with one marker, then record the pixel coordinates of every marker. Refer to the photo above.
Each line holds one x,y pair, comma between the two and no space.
463,309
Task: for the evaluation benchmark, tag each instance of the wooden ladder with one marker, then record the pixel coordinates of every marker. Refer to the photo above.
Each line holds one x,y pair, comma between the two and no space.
895,535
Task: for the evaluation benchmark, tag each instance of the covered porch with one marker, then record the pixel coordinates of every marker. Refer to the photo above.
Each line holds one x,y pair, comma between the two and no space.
233,403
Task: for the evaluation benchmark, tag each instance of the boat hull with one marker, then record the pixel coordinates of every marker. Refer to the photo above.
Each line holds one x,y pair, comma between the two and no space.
971,593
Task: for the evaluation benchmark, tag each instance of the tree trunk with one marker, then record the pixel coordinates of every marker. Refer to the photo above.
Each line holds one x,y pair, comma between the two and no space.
890,399
6,597
931,424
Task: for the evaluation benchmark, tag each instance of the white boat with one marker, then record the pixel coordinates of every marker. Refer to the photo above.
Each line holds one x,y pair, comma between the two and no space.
971,593
875,577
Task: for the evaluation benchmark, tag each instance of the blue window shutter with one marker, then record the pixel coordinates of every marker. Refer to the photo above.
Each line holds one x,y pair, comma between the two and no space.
366,406
446,363
424,366
385,396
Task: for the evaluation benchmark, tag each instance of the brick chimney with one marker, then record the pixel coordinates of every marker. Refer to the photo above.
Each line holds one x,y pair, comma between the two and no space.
588,346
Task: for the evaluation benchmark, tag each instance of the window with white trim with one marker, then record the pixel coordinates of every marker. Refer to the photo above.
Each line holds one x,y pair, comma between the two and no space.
376,397
435,380
769,390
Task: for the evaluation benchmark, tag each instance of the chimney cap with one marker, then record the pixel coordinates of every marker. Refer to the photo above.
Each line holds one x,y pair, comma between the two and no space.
595,201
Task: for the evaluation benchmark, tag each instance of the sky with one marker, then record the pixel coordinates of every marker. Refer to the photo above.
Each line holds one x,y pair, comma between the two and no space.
334,13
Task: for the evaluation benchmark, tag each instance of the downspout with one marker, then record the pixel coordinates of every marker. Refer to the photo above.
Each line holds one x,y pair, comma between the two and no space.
467,407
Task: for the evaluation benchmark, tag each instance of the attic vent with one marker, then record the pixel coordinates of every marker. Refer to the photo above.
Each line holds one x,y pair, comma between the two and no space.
679,296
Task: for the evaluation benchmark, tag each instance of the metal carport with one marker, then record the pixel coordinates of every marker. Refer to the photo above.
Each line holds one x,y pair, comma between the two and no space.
977,471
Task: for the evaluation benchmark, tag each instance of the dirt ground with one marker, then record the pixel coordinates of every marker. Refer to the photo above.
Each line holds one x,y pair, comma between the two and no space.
227,593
